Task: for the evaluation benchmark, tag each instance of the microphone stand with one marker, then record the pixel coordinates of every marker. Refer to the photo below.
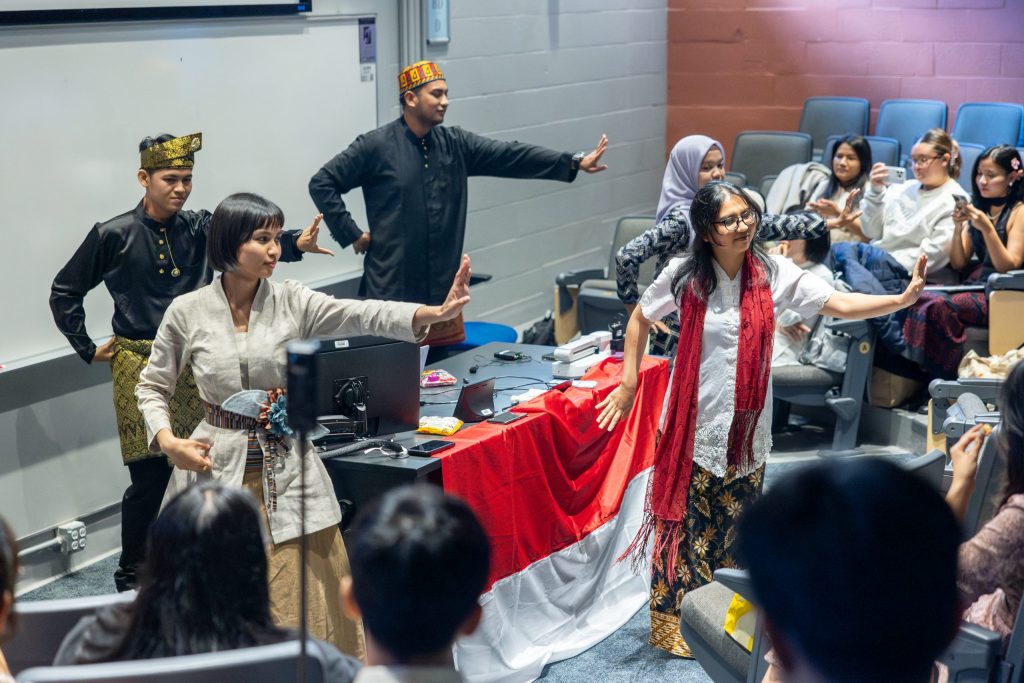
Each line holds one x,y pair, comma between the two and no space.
303,553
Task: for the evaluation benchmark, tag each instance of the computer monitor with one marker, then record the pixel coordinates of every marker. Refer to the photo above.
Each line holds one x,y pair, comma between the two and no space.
380,375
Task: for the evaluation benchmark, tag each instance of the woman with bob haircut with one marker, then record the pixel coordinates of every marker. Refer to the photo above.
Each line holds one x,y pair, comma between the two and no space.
203,589
234,333
988,237
715,425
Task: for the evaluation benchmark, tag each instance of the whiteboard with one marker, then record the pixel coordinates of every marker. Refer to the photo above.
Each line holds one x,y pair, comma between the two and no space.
274,99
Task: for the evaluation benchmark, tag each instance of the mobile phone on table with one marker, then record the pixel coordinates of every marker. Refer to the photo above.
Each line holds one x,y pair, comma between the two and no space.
896,175
428,448
505,418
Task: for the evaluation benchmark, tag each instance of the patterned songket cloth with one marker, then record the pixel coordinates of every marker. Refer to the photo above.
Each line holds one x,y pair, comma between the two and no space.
713,509
176,153
130,356
418,74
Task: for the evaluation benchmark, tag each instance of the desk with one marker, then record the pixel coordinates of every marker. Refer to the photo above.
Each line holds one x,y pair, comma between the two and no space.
560,500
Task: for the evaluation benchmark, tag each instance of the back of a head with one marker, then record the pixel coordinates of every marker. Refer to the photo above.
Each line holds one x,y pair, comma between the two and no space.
420,560
8,577
203,586
854,563
1011,430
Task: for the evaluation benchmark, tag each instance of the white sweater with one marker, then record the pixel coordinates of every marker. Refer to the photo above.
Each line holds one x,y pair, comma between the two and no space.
908,221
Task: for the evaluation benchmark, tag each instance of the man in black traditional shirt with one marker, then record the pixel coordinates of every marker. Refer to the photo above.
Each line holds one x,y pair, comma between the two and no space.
146,257
414,172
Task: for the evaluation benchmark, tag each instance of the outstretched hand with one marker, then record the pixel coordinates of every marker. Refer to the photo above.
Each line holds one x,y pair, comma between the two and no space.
849,212
592,162
615,407
458,297
913,291
307,240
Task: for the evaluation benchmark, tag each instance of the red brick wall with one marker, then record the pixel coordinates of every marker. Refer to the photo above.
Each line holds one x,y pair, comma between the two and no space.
736,65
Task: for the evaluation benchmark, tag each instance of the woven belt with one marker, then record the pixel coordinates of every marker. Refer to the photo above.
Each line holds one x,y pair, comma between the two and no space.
225,419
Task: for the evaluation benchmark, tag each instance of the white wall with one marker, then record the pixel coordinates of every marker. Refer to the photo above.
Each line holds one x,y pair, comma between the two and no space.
556,73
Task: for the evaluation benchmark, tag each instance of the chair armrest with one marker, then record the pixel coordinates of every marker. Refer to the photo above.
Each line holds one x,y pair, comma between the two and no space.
853,328
986,389
477,278
736,580
973,649
574,278
1013,280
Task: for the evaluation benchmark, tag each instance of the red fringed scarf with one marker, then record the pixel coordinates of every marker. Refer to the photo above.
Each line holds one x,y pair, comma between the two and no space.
665,508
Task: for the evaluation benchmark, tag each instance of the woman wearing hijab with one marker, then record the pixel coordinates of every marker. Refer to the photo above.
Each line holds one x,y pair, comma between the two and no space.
695,161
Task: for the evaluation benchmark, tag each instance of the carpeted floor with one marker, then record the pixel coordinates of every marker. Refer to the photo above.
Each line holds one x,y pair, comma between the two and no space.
622,657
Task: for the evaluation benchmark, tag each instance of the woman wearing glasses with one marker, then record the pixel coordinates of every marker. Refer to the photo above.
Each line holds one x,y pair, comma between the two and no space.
715,425
916,217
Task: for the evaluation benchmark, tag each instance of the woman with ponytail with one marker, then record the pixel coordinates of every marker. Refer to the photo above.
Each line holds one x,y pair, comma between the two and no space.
715,425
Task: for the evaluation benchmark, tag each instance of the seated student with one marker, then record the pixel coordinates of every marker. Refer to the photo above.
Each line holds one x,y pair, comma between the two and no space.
851,163
988,238
991,576
916,217
853,563
203,588
8,575
791,329
419,560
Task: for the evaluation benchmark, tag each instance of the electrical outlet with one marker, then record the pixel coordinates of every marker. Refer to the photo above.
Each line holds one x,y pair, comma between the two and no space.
72,537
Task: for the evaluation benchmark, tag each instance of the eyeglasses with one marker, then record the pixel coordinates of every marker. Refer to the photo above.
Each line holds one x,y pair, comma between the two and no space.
923,161
732,223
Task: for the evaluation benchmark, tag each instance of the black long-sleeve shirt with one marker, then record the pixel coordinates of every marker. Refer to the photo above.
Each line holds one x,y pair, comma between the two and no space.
130,255
415,192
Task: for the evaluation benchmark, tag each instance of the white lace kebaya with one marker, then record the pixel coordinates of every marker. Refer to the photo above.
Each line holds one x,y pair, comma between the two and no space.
792,289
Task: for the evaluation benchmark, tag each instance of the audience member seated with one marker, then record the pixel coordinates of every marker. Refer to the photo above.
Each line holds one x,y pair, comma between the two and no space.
853,563
420,560
916,217
988,238
991,576
203,588
851,163
790,329
8,576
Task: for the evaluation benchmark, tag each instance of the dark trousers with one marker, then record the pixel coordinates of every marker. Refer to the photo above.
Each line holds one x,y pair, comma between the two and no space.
139,507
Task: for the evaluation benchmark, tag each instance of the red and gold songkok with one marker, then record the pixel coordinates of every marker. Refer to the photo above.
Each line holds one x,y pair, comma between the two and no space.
176,153
417,74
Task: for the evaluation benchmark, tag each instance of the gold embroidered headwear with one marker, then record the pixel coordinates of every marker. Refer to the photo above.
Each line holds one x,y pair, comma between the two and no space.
417,74
176,153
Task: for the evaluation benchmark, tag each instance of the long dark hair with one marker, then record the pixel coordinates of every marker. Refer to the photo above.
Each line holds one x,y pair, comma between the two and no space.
203,586
8,570
863,151
1011,430
1002,156
699,270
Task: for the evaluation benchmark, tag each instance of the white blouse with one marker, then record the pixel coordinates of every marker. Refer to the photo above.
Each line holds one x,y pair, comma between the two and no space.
794,289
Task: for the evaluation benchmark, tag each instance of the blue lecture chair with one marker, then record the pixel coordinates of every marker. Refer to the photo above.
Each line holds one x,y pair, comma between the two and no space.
989,123
969,153
826,116
907,120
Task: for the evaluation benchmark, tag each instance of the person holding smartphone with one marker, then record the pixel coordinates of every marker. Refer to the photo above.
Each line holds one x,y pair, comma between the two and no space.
916,217
988,237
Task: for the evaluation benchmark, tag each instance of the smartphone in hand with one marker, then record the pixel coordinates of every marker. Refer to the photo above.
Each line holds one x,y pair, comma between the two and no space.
896,175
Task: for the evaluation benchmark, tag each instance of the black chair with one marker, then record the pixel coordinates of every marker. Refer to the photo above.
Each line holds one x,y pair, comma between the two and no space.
588,300
42,625
843,394
264,664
